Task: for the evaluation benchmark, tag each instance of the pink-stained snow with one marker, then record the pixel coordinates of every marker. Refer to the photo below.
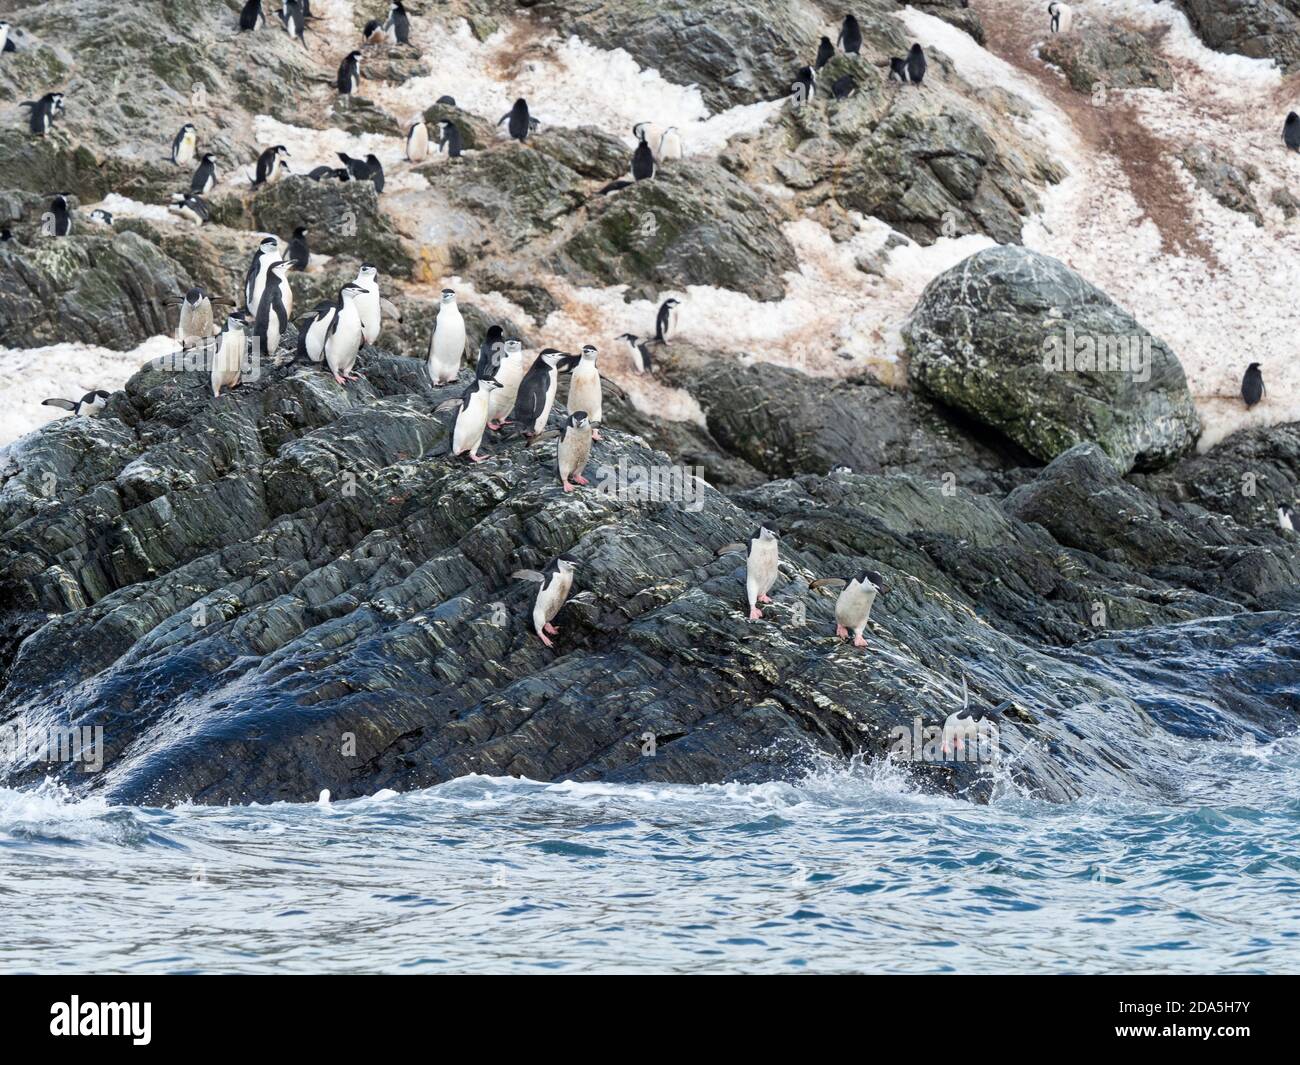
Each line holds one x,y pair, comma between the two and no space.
62,371
566,83
1217,316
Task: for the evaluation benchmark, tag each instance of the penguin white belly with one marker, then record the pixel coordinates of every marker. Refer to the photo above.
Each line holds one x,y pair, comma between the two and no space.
185,152
316,337
471,421
195,322
342,347
368,309
286,298
417,143
573,451
550,599
670,146
853,607
760,573
502,400
584,392
227,360
447,347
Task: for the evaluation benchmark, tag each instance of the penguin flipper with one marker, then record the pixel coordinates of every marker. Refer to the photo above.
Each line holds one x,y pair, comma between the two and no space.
727,549
829,582
389,310
528,575
614,186
62,404
446,405
10,46
544,438
568,363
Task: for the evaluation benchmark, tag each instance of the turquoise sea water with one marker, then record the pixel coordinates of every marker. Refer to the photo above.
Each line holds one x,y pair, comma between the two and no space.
850,870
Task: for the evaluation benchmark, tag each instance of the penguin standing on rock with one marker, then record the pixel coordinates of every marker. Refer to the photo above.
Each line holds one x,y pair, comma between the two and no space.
371,306
43,112
90,405
1252,385
536,393
825,53
57,221
1291,131
666,319
1286,517
398,24
343,339
313,329
1060,17
584,388
521,122
804,86
639,350
6,42
294,19
853,607
195,320
268,251
273,311
205,177
249,14
183,144
509,371
298,255
417,142
909,71
844,86
761,562
643,166
270,164
449,139
556,582
573,450
471,418
447,343
228,358
349,76
850,35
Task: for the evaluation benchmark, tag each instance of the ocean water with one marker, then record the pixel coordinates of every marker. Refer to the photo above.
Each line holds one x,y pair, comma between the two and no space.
851,870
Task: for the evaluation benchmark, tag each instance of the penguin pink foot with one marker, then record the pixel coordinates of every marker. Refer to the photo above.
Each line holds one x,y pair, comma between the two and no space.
580,479
545,639
494,426
859,641
595,434
340,379
477,458
764,598
841,631
569,487
754,613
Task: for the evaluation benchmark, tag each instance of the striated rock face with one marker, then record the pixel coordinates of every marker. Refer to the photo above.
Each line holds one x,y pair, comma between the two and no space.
292,588
1022,344
1262,29
692,224
1111,56
99,290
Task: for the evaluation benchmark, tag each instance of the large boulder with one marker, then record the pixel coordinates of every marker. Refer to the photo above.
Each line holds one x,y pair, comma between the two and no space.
344,217
691,224
1021,343
106,290
1115,57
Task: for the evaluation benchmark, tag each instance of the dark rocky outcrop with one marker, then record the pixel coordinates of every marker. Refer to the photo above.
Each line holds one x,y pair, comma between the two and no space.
1021,343
1261,29
692,224
107,290
1114,57
1223,179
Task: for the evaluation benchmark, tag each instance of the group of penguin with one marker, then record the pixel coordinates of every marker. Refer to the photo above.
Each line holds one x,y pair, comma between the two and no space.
910,69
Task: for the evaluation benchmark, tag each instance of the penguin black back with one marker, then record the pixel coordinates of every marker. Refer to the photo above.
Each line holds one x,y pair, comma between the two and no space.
1252,385
1291,131
850,35
520,120
825,51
